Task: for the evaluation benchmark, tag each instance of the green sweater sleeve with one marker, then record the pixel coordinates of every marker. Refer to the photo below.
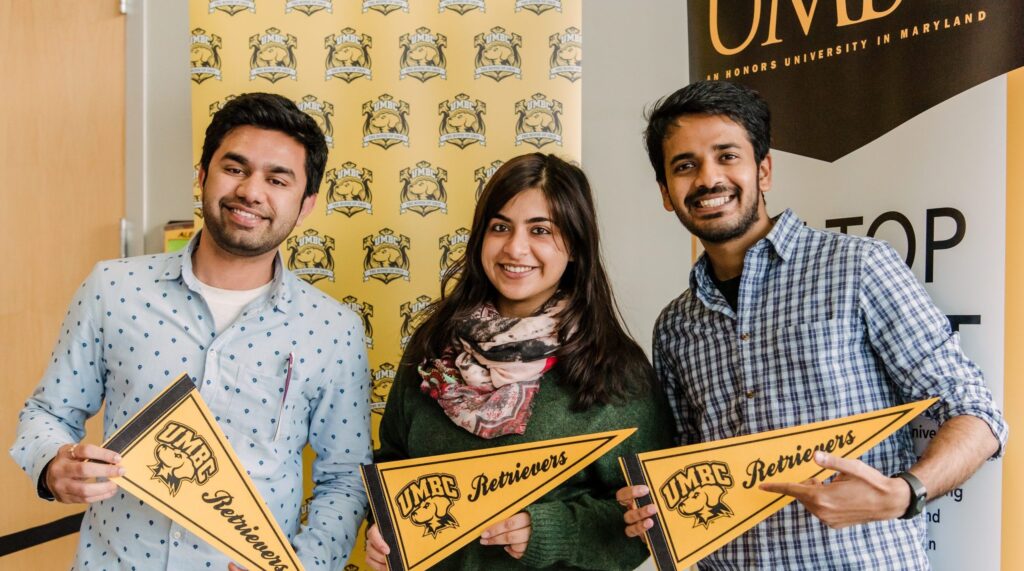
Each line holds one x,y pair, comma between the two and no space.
587,531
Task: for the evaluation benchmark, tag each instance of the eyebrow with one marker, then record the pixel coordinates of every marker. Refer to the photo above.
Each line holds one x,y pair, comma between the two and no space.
242,160
690,155
533,220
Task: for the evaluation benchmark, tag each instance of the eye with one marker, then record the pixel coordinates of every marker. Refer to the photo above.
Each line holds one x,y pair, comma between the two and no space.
278,182
231,169
540,230
683,166
499,227
729,156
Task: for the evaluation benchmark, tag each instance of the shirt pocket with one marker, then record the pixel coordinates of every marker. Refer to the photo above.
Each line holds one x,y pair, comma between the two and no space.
258,404
811,362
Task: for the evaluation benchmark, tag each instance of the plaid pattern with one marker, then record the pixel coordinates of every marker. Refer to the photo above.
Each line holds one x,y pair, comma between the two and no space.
828,325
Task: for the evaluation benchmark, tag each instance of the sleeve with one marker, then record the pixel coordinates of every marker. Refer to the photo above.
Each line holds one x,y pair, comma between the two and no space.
72,388
666,371
587,531
921,354
340,436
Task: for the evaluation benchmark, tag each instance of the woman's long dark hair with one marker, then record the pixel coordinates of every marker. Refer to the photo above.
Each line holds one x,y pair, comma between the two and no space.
600,360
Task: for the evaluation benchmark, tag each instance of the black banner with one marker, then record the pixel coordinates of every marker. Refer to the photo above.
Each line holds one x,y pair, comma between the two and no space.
841,73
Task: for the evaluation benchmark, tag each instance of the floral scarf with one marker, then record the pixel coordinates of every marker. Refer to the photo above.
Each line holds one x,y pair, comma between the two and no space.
487,379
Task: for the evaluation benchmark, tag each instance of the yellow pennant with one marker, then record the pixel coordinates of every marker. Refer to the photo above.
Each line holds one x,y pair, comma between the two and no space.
707,494
428,508
178,461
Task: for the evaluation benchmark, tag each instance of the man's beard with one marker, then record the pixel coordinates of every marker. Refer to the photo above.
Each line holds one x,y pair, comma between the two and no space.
240,243
721,234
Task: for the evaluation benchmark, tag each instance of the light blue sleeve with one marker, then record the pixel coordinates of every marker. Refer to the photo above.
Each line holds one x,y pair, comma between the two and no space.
72,388
340,435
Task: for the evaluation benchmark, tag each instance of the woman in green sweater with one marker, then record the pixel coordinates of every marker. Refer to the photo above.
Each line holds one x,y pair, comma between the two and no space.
527,346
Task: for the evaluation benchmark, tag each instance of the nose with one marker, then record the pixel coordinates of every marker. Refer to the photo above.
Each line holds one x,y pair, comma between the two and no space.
250,190
709,175
516,244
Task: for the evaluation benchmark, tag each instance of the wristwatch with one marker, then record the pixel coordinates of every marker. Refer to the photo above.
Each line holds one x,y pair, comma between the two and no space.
918,494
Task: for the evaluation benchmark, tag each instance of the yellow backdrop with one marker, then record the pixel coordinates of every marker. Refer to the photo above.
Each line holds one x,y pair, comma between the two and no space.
420,102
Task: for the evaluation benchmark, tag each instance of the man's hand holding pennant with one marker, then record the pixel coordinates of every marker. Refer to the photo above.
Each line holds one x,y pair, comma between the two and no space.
178,461
704,495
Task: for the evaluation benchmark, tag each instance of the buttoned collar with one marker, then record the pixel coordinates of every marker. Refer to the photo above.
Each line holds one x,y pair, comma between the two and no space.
781,239
179,266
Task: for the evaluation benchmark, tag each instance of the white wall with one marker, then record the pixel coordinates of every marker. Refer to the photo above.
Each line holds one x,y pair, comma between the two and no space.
158,132
635,53
951,156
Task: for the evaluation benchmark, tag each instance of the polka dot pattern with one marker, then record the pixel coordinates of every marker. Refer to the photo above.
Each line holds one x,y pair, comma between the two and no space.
133,327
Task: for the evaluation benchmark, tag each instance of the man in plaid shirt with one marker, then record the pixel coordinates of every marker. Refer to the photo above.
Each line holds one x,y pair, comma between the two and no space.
785,325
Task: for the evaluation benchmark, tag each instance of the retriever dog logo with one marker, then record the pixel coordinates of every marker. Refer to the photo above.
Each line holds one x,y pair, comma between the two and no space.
181,456
204,56
413,315
387,256
497,54
539,121
348,55
462,121
423,55
427,502
311,256
348,190
423,189
566,54
273,55
386,122
697,491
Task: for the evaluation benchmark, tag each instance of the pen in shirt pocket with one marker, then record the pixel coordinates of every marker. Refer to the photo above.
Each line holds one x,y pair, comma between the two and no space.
284,397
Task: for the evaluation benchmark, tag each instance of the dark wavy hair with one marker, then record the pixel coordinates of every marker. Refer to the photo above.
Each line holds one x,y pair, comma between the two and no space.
600,361
275,113
741,104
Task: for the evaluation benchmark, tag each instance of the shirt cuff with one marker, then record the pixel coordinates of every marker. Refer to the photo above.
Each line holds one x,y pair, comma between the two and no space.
41,488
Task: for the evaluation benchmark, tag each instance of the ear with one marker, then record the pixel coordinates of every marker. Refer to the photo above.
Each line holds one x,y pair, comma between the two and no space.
307,207
666,199
202,178
764,173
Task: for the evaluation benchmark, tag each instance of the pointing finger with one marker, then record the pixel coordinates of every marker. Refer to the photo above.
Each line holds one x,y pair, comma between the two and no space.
787,488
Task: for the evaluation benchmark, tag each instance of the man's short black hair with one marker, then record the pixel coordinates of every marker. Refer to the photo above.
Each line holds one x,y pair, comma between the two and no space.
276,113
741,104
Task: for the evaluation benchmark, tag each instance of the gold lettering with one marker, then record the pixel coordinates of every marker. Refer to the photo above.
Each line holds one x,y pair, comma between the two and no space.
716,40
868,12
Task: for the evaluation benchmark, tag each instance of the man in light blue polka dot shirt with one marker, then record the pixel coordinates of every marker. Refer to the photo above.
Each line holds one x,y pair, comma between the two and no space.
278,362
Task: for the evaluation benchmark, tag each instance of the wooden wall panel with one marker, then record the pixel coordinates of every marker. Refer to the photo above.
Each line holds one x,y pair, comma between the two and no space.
61,200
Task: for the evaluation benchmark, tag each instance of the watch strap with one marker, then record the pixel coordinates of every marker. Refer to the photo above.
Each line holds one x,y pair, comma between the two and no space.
918,494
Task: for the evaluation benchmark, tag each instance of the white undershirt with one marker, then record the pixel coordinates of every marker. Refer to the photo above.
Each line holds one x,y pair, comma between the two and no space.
227,304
